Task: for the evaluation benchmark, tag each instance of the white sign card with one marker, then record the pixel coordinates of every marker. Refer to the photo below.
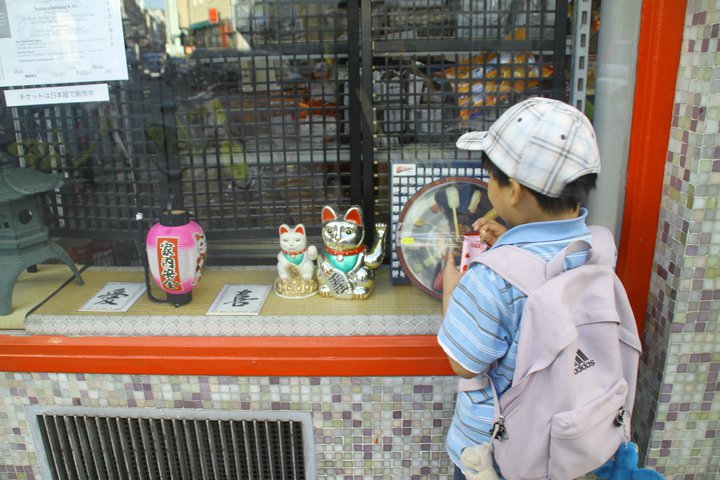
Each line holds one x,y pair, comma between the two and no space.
61,41
239,300
114,297
59,94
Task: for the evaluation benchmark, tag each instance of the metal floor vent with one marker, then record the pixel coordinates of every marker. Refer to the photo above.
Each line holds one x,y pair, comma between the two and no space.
84,443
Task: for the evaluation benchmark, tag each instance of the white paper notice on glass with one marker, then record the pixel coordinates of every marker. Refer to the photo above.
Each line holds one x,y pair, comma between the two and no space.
114,297
22,97
61,41
239,300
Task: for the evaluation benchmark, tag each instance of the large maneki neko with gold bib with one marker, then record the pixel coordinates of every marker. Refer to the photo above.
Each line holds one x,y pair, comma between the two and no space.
346,267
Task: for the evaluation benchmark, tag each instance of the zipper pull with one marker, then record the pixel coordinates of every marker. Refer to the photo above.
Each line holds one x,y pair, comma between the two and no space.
498,429
620,417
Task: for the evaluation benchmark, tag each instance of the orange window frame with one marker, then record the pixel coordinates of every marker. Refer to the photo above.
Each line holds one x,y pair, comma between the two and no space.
659,46
658,53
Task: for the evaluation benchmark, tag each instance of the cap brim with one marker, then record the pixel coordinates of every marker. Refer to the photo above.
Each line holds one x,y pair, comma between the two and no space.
472,141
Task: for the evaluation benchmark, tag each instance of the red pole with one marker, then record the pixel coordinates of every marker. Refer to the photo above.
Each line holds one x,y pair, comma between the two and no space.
659,46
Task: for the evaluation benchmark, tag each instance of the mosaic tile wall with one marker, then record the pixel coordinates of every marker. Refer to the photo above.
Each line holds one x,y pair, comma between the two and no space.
679,388
364,427
389,428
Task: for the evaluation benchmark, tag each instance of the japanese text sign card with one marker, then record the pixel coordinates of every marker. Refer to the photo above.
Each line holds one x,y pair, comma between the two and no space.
114,297
239,300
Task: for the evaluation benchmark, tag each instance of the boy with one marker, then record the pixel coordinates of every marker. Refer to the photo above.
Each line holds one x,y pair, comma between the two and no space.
542,160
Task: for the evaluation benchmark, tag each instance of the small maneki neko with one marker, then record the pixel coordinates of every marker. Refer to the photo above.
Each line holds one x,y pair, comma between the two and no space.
296,264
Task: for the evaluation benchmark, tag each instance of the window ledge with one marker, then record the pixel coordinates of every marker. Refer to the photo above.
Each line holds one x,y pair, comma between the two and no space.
390,310
392,333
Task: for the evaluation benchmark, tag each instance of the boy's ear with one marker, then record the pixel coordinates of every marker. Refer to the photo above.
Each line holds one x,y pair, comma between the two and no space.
516,192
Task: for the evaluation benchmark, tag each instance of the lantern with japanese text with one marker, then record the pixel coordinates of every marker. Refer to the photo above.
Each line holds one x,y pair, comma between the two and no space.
176,251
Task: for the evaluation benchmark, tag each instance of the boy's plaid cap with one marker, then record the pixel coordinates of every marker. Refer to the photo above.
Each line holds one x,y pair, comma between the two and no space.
542,143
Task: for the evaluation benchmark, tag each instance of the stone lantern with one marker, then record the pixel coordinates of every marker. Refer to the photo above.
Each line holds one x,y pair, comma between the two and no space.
24,239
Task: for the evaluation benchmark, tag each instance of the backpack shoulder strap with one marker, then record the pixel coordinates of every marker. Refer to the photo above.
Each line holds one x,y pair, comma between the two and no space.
522,269
603,246
600,251
527,271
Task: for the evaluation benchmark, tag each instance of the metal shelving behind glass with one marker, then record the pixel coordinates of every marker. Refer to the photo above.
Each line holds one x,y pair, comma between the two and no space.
306,105
277,100
444,67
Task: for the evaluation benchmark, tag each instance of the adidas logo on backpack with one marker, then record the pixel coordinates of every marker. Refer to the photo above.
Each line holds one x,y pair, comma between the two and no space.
569,405
582,362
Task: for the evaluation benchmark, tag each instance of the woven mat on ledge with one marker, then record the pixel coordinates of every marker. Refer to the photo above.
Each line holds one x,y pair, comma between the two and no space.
390,309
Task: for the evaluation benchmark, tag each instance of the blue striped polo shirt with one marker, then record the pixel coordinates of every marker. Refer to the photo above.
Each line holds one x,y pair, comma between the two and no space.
481,324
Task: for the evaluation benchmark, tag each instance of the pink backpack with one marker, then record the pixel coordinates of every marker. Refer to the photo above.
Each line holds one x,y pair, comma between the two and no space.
569,406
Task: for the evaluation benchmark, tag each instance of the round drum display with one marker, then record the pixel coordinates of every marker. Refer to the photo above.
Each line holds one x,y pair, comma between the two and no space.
433,220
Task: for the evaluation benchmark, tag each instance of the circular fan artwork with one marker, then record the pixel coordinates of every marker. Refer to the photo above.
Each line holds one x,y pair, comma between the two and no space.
433,220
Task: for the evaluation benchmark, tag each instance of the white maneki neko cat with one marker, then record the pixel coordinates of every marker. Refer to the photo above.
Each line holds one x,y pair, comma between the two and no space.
296,264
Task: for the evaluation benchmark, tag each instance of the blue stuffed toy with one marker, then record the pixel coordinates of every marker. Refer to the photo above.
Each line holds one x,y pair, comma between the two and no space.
624,466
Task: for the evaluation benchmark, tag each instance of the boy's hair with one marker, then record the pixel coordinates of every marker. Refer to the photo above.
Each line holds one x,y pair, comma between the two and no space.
543,144
575,193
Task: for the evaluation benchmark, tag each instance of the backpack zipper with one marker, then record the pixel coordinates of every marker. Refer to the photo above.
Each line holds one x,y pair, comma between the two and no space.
498,430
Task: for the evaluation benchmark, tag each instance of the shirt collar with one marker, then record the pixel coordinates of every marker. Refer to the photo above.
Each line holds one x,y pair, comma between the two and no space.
545,231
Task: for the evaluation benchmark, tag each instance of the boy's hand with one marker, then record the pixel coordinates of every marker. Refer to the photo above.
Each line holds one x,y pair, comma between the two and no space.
451,277
490,230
